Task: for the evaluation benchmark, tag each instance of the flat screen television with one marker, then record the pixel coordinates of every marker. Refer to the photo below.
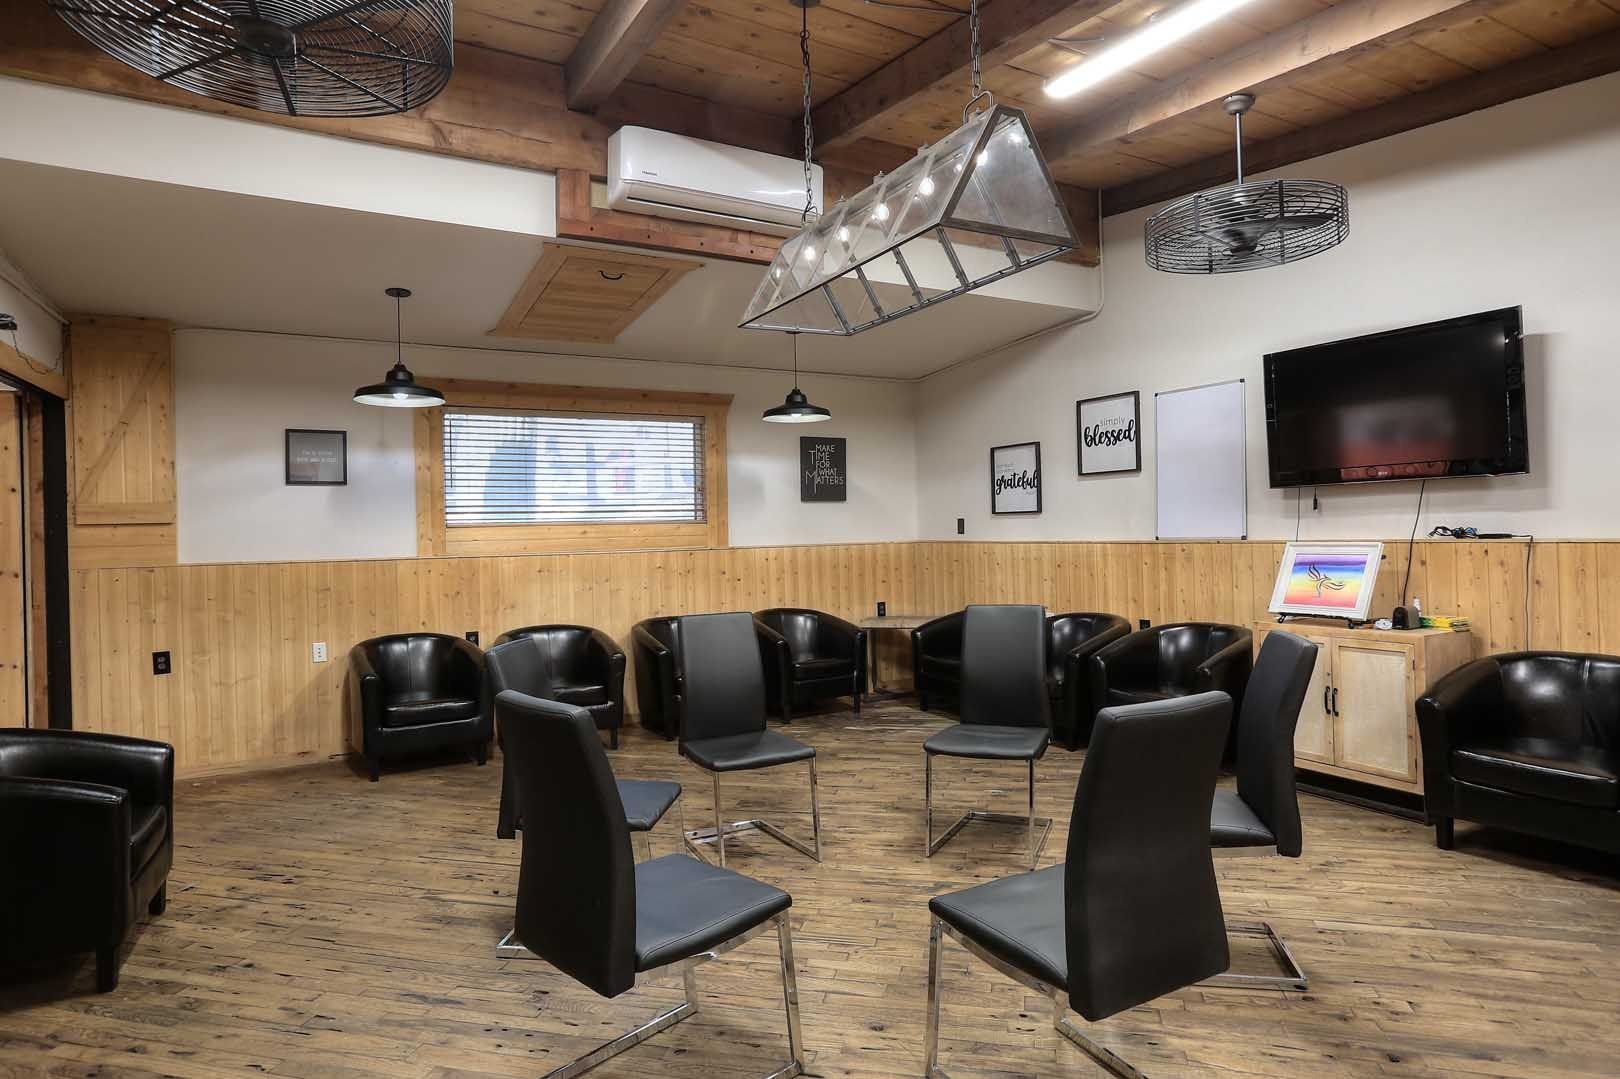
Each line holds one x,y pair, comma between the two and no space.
1442,399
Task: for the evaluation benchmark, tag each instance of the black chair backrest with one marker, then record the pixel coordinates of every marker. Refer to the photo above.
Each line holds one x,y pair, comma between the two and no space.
1143,915
722,678
1183,646
800,626
425,663
567,647
1004,666
1265,735
576,901
520,664
1066,632
1569,696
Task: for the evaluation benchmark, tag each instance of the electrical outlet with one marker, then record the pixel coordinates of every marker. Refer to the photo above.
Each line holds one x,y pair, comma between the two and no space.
1144,623
883,608
317,652
961,526
472,635
160,663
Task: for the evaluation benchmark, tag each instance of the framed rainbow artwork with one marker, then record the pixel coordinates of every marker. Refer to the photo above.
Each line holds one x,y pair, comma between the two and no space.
1329,580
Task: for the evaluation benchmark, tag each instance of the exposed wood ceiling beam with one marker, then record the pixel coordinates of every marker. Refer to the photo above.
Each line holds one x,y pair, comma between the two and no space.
1356,25
1008,29
620,34
1534,74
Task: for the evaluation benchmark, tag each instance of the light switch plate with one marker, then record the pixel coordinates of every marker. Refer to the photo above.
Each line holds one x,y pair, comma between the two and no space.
317,652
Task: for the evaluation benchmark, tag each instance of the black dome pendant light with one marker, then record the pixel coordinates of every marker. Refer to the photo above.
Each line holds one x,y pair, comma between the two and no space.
398,389
295,57
796,407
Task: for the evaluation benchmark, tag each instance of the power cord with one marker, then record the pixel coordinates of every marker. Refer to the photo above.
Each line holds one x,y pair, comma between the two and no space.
1467,532
8,322
1411,544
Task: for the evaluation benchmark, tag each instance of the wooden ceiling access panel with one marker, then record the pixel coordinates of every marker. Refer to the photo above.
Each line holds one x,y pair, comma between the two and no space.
588,294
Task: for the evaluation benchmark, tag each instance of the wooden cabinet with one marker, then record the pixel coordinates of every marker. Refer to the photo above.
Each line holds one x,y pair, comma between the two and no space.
1359,720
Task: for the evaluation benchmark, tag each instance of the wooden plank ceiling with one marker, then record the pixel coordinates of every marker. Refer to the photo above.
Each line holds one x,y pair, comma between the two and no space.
889,79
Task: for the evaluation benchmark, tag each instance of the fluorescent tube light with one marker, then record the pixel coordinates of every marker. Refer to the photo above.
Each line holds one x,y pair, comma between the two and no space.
1159,34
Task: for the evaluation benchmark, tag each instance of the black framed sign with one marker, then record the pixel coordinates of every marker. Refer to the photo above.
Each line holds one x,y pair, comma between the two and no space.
823,470
1015,478
317,458
1108,431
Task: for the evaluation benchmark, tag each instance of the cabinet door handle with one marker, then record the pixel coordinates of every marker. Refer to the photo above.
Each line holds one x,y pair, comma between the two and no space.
1335,700
1327,699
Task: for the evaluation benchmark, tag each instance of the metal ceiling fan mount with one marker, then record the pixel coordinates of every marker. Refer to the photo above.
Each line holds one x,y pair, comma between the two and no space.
1248,225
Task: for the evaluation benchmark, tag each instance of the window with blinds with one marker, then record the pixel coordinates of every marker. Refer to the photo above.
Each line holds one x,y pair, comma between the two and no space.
515,468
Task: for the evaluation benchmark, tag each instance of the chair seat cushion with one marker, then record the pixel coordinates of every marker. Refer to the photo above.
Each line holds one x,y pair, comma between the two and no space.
1017,919
582,695
646,801
419,711
148,824
1233,824
1122,695
1572,772
985,742
685,906
807,669
741,752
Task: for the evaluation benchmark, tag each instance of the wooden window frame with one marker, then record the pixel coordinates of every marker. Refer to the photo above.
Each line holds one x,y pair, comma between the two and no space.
435,538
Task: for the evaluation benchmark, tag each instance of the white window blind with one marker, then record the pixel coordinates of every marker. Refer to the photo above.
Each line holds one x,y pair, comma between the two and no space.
504,468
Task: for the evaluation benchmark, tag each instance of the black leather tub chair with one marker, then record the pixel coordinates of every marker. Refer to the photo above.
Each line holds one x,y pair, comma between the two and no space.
1005,712
1261,816
526,664
585,907
416,692
1134,912
936,658
575,665
807,655
1071,640
1527,741
656,643
86,842
723,723
1173,660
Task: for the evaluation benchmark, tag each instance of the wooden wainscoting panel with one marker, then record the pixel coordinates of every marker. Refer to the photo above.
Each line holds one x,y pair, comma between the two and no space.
245,692
588,294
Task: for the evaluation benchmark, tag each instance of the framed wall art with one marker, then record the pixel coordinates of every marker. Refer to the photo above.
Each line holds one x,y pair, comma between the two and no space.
1108,433
823,469
1328,580
1015,478
317,458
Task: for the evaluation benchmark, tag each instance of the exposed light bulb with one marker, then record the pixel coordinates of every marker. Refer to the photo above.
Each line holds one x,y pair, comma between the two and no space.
1015,135
1155,36
809,252
927,186
843,234
881,212
983,159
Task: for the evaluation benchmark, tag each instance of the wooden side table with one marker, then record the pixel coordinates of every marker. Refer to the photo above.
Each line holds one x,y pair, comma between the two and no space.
897,623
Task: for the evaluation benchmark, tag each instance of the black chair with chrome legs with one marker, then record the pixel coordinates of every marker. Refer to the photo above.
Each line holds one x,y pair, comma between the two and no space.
1134,913
1006,713
522,663
1261,817
722,712
586,907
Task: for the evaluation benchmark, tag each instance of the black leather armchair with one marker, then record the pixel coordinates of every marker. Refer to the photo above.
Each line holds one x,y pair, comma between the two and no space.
656,643
1071,640
1528,741
1173,660
809,654
86,842
415,692
936,658
578,665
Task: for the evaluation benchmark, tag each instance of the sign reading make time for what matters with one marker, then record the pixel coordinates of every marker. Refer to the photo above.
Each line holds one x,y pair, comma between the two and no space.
823,470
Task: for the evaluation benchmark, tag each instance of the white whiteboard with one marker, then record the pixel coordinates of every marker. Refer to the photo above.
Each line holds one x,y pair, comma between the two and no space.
1202,462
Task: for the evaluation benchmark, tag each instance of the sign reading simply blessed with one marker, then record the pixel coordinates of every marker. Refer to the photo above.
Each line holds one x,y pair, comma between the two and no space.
823,473
1109,431
1015,478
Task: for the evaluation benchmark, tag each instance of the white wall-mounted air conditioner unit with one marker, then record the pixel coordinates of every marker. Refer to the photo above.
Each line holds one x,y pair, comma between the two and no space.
664,175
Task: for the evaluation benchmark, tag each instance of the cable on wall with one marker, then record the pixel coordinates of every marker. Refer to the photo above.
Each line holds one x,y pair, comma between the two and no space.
1411,545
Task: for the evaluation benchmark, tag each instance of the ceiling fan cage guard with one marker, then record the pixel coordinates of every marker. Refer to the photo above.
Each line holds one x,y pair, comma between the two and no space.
975,207
295,57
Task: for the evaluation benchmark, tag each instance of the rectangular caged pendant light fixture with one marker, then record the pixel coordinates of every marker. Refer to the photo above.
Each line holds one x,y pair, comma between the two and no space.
977,206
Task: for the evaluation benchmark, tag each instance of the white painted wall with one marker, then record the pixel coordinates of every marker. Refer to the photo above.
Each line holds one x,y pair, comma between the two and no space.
39,330
236,393
1514,205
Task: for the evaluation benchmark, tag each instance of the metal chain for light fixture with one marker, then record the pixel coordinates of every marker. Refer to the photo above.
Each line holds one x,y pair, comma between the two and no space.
979,92
809,130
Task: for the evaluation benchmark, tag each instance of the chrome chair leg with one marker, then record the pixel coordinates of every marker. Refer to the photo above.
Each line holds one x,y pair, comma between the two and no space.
1293,980
790,997
698,837
1039,828
1105,1058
